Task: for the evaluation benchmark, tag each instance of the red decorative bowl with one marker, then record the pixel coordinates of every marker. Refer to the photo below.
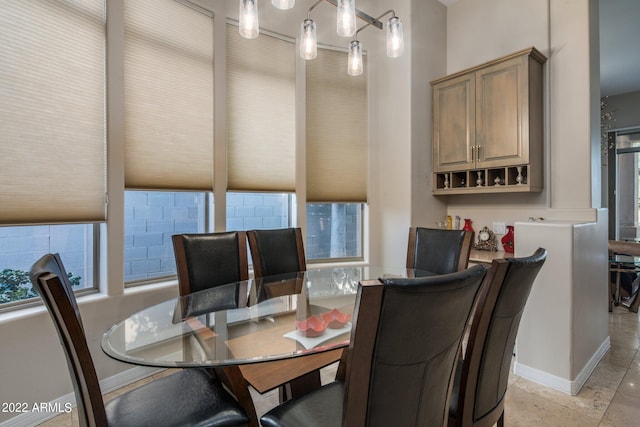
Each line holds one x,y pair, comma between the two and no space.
311,327
336,319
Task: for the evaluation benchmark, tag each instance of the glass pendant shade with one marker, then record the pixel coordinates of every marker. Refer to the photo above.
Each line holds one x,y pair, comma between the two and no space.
308,40
283,4
249,19
355,59
395,38
346,21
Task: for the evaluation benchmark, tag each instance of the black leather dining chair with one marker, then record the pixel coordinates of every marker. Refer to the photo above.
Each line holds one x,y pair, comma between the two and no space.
439,251
477,398
399,366
276,252
188,397
206,260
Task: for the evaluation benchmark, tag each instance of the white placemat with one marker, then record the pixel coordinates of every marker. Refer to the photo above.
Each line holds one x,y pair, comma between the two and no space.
308,342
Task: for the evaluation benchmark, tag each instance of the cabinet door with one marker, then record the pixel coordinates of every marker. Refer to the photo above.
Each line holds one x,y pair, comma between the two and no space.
501,110
453,124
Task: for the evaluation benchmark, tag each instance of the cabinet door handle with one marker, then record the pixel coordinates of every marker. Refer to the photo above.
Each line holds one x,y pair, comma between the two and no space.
477,153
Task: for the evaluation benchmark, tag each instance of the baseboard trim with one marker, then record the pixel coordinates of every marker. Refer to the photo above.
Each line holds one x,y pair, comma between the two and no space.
561,384
107,385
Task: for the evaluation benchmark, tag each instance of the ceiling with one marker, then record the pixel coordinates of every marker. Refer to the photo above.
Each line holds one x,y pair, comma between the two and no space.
619,46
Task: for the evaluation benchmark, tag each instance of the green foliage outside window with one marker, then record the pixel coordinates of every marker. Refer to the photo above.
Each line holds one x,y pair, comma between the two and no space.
15,285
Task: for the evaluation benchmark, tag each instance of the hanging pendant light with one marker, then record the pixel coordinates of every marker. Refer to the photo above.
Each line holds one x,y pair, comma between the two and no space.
346,18
308,40
395,37
283,4
354,66
248,19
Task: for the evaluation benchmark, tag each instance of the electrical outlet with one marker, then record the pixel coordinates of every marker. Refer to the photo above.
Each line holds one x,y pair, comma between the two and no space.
499,227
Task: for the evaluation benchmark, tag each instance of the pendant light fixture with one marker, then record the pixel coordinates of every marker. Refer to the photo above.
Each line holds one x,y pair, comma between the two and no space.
283,4
308,40
354,63
248,17
346,18
395,37
345,25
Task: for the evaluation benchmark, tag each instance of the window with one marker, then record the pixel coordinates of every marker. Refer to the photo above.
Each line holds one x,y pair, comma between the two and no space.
151,218
21,246
334,231
252,211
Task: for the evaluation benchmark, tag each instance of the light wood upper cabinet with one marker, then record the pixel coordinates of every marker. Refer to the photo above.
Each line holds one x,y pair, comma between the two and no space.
487,118
454,122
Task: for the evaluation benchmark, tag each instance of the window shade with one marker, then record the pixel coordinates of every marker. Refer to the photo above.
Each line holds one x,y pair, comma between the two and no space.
168,69
52,114
261,85
337,139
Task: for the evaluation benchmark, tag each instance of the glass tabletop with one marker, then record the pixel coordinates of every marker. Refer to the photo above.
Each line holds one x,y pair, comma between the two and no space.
273,318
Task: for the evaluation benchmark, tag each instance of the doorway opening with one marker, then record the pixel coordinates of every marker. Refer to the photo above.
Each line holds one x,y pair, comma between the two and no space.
624,185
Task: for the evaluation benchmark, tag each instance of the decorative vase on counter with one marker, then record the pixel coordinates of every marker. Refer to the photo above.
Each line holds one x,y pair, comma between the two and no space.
507,240
467,225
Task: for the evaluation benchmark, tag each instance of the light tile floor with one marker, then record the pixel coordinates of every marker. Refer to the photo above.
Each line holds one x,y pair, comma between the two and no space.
611,396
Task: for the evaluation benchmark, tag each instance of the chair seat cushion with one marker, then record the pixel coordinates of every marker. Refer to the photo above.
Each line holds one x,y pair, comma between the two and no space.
189,397
320,408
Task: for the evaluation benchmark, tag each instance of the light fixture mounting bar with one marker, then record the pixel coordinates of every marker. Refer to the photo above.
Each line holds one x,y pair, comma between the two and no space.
360,14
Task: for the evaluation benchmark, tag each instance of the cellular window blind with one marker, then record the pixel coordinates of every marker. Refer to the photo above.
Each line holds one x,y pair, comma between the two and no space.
261,85
168,93
336,129
52,114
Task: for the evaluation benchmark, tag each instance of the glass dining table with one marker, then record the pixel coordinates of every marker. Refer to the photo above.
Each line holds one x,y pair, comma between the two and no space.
273,330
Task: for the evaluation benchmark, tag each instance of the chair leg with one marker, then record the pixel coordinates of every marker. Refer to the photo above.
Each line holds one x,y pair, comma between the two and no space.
501,420
235,382
300,386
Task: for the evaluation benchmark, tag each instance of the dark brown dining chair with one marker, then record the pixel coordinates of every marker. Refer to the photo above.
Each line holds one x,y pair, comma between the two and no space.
276,252
399,366
438,251
188,397
206,260
477,399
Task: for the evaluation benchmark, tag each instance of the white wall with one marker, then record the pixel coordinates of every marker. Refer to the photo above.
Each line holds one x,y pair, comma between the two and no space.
429,58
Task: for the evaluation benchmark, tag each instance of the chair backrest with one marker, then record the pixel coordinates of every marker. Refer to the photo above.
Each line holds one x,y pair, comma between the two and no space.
439,251
50,280
484,373
208,260
276,252
403,348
